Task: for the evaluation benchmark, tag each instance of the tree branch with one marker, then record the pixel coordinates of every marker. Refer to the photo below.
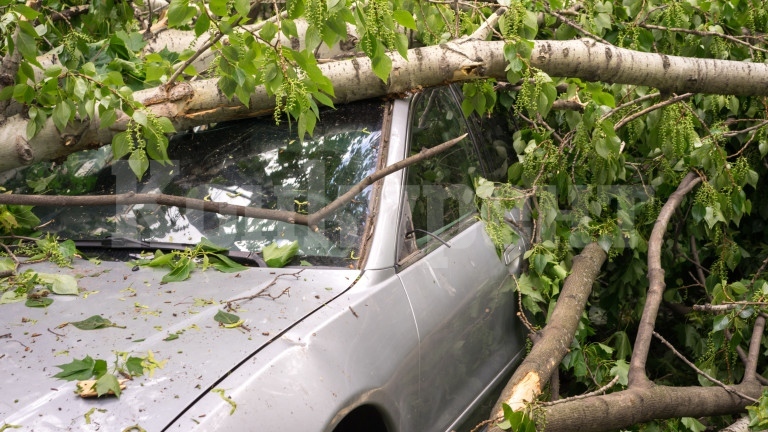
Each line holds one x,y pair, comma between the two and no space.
750,367
637,374
555,339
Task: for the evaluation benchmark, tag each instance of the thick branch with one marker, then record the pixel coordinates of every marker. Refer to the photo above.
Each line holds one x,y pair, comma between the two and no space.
132,198
639,405
201,102
637,376
555,339
750,368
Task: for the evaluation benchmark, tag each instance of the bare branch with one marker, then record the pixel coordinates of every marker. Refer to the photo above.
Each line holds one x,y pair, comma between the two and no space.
637,375
728,388
641,113
630,103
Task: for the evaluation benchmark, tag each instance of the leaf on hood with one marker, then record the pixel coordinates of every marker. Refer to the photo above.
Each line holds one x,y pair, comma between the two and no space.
279,256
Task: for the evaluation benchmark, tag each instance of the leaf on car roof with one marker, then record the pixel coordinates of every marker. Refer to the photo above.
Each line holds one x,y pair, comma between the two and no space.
39,302
60,284
94,323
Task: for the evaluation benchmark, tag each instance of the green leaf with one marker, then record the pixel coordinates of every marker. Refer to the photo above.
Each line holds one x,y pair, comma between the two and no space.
243,7
405,19
382,65
61,284
225,264
138,162
61,115
170,337
226,318
219,7
181,271
38,302
120,145
106,384
202,24
721,323
622,371
134,367
76,370
692,424
12,297
95,322
279,256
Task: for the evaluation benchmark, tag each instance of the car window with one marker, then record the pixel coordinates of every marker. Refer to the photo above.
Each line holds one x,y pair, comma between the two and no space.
438,191
253,162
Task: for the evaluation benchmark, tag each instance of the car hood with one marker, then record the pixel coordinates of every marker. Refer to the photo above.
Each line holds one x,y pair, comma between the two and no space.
34,340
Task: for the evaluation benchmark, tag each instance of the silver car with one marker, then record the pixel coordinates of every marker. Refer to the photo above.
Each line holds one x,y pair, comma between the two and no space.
397,313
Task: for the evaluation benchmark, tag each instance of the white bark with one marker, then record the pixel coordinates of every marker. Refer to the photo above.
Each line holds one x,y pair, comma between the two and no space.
200,102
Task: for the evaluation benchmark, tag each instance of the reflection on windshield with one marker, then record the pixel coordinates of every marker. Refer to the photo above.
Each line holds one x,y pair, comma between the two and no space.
249,163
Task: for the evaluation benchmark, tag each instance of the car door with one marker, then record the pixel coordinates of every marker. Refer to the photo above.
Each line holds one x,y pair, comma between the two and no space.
460,291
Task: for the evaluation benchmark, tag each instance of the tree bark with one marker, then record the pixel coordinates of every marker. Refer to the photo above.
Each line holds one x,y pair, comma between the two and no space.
200,102
555,339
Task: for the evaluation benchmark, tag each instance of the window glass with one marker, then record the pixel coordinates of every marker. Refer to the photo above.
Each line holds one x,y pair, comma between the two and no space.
252,163
495,131
439,190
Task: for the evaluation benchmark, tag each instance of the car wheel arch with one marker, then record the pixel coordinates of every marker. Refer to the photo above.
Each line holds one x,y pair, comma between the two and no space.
368,417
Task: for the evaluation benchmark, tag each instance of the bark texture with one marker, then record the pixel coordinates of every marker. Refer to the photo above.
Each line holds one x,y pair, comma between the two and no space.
200,102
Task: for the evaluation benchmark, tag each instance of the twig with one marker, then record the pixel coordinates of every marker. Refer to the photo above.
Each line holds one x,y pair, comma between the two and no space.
727,306
630,103
641,113
599,391
570,23
697,262
704,33
264,292
701,372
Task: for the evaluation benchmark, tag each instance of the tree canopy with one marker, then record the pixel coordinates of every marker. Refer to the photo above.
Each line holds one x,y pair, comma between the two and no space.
640,150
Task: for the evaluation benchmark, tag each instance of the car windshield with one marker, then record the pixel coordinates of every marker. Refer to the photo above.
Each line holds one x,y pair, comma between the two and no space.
251,162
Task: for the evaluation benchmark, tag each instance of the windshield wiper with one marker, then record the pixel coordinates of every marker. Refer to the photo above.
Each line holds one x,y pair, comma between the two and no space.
242,257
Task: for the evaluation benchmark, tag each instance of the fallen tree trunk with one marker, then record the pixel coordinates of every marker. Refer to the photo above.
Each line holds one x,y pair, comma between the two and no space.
201,102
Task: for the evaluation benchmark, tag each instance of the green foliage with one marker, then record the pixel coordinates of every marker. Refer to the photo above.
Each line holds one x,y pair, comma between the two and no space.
181,263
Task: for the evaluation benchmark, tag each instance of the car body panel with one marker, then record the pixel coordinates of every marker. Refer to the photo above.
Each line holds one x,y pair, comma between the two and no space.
362,348
35,340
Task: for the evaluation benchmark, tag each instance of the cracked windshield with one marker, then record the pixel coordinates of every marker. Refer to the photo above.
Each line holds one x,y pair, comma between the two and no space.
254,163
